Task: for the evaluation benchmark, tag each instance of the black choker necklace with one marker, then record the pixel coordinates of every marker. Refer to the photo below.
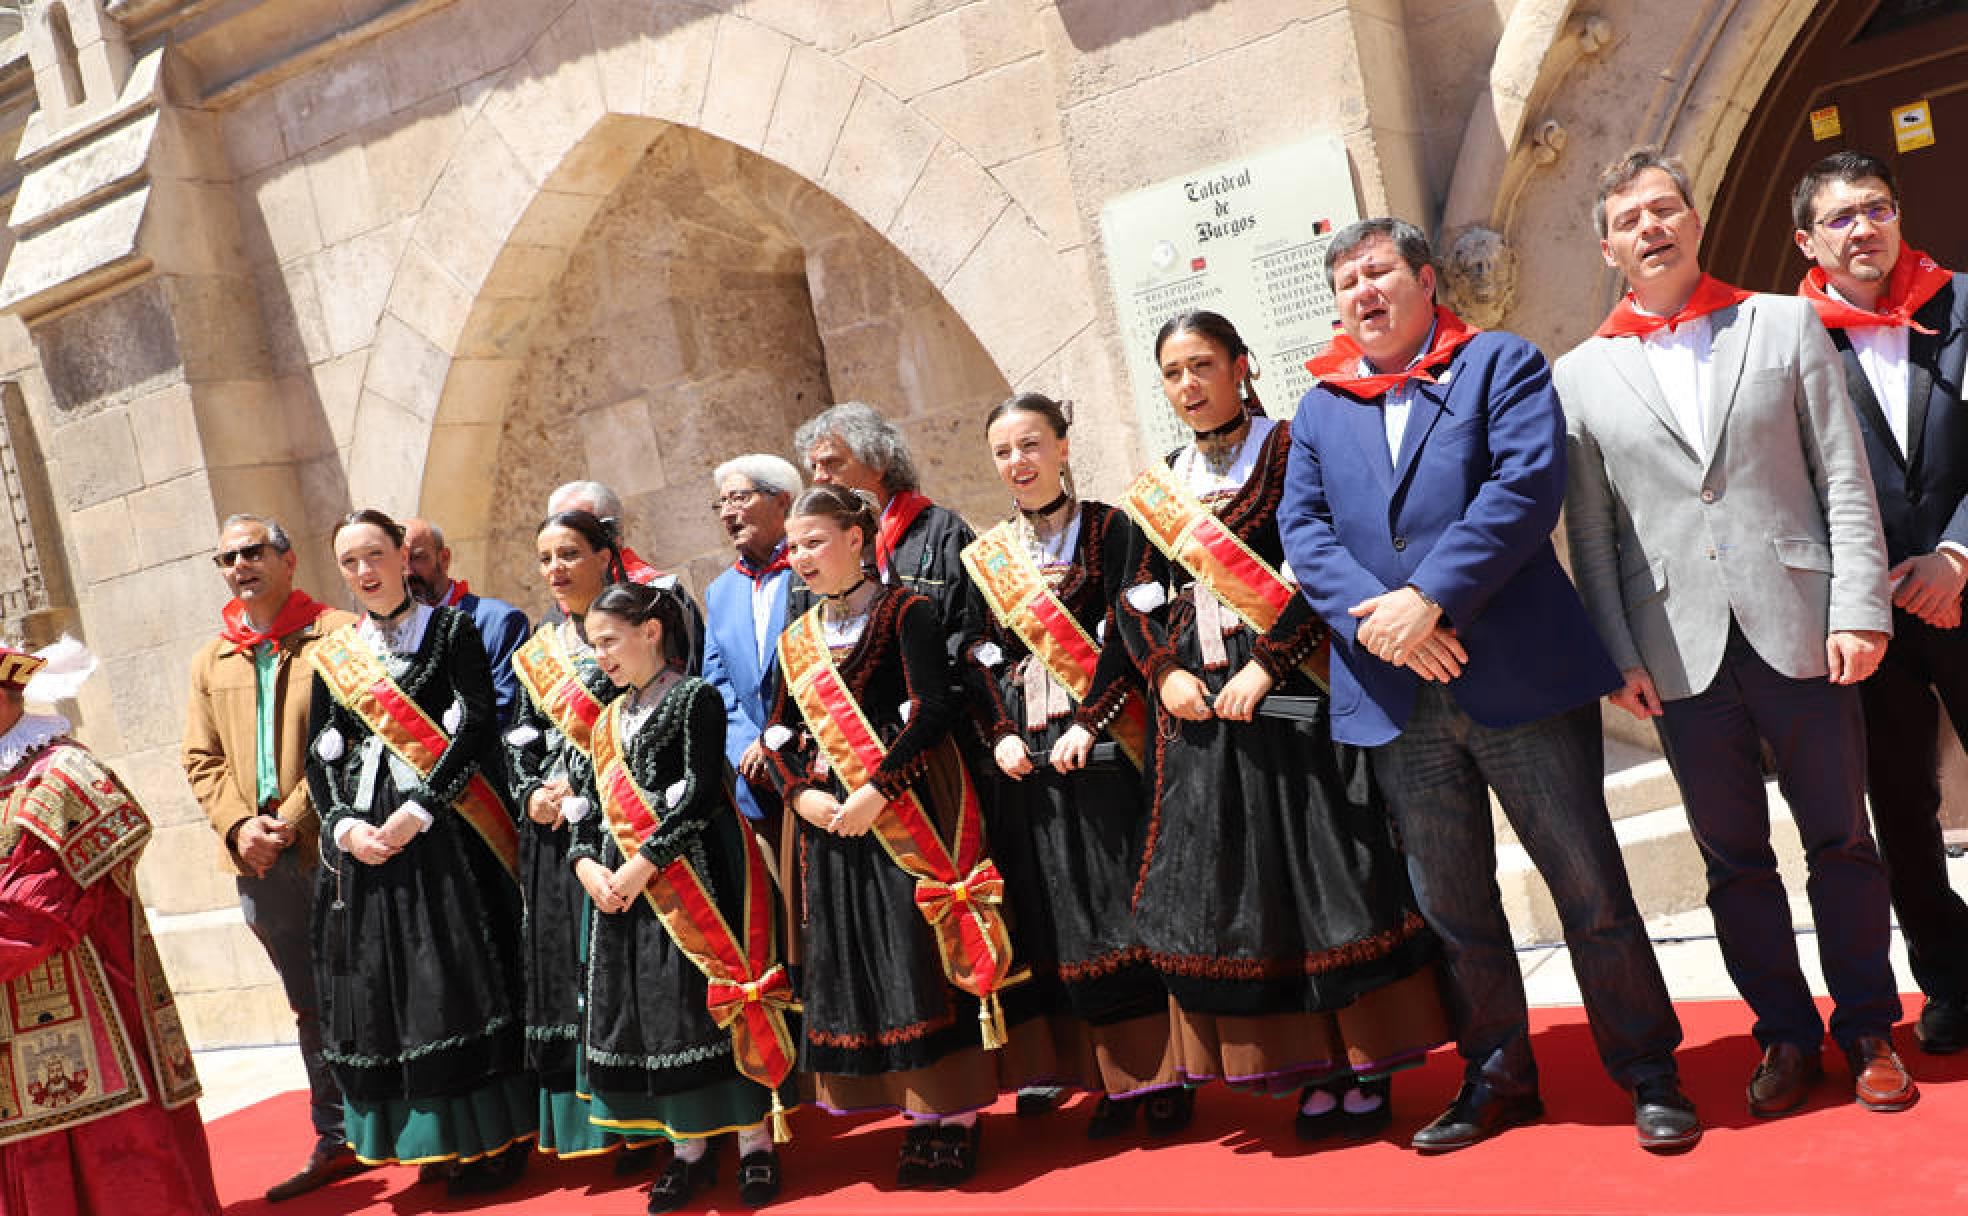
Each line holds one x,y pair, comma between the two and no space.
1229,428
408,602
841,596
1049,508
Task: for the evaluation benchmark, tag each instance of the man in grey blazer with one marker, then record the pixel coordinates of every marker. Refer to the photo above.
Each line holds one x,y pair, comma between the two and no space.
1726,540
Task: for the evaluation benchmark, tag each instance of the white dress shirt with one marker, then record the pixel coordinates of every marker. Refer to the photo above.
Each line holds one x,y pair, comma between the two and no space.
1679,359
1882,352
1398,402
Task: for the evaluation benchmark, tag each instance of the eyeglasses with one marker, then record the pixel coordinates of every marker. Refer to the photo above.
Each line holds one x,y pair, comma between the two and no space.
737,500
1877,213
252,553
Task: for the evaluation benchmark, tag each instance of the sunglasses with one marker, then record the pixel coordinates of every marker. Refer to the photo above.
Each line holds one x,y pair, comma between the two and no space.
252,553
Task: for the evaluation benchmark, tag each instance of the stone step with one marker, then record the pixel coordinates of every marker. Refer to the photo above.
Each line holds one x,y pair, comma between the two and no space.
228,993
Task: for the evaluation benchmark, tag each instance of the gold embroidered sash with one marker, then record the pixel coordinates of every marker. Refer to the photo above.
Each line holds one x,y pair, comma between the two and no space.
959,891
552,679
361,684
749,990
1017,592
1184,528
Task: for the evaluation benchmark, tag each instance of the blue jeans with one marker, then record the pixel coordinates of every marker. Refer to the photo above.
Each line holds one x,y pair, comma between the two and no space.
276,908
1816,730
1549,777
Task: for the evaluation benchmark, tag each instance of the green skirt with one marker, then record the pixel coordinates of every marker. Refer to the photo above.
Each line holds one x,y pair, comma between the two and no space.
464,1127
724,1106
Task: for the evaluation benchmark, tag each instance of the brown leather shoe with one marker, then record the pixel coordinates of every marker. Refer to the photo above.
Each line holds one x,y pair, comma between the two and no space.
1879,1080
1783,1081
328,1162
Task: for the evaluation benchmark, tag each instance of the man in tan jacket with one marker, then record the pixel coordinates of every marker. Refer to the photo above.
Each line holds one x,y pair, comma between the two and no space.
245,749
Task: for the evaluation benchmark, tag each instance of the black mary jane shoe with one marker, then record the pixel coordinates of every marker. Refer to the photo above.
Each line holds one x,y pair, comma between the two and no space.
1111,1117
489,1174
758,1178
636,1159
681,1179
1326,1124
1366,1124
914,1166
953,1153
1168,1111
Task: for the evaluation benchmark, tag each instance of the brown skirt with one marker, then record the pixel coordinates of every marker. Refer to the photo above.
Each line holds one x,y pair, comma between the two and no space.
1388,1029
965,1080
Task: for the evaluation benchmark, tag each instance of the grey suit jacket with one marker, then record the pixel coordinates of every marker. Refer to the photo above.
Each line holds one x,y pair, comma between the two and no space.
1774,523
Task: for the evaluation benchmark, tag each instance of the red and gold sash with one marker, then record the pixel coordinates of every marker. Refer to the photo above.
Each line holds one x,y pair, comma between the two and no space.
749,990
551,678
1183,527
958,888
1016,589
362,685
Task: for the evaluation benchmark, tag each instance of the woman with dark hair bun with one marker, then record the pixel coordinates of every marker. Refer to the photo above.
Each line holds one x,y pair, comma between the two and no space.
686,940
905,945
417,913
1272,897
1053,688
547,754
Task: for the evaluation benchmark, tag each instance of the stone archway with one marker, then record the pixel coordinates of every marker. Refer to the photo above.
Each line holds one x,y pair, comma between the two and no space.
549,145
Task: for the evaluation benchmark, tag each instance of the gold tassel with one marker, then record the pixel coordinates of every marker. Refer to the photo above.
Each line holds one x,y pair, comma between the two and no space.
990,1022
782,1133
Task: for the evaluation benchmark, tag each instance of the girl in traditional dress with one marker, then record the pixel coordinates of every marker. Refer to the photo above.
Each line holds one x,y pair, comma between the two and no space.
1272,898
1051,679
546,750
685,933
905,944
417,913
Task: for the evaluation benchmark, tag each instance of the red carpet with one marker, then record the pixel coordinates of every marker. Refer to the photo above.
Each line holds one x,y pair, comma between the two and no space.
1240,1155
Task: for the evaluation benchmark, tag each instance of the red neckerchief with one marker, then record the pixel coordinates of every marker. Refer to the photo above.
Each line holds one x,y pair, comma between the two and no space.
300,611
459,590
1916,279
1627,321
774,564
896,518
637,570
1339,365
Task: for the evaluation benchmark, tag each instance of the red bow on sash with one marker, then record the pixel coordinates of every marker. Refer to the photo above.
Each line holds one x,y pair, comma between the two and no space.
952,908
728,1001
896,518
300,611
1339,365
1627,321
1916,279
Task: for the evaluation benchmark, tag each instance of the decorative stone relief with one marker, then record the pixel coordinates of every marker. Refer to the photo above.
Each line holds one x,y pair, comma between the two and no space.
1479,276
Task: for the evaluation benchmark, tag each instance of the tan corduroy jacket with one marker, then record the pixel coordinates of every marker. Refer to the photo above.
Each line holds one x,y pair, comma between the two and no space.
221,730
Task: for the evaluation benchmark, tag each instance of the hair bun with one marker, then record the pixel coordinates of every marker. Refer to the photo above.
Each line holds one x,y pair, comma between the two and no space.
611,528
1066,409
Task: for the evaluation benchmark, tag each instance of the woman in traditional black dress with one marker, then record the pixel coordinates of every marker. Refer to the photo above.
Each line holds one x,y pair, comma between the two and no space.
417,913
900,1013
1273,898
686,912
563,692
1051,679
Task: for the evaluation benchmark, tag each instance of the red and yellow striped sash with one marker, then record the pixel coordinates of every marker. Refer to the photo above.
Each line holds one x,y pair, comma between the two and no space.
552,680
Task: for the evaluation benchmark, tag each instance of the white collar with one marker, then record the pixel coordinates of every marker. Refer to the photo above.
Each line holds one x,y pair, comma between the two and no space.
32,733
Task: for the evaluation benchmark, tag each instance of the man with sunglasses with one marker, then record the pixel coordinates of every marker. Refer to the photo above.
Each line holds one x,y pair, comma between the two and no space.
1900,323
245,748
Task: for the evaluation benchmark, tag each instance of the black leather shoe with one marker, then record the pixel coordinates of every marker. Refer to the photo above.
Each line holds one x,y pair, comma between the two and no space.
330,1160
1036,1100
681,1179
1664,1117
913,1165
1340,1123
758,1178
489,1174
953,1153
1168,1111
1477,1113
1943,1026
1111,1117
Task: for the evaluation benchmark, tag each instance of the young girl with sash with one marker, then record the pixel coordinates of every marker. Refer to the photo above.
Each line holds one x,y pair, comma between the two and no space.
1051,680
1273,898
546,753
417,913
688,1030
900,904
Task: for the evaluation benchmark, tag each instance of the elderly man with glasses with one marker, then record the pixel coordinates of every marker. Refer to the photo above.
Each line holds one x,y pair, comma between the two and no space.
1900,323
245,741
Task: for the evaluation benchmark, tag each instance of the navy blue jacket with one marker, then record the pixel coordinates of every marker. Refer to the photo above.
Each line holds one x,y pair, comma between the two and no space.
503,629
1466,515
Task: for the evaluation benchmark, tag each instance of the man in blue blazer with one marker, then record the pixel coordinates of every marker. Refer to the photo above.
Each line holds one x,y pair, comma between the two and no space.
745,609
502,628
1427,471
1900,323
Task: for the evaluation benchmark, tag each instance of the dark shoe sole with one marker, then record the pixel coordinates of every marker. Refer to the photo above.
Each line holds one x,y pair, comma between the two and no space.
1671,1144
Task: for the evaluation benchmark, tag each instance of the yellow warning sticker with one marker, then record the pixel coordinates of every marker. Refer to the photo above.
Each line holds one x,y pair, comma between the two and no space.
1825,124
1913,126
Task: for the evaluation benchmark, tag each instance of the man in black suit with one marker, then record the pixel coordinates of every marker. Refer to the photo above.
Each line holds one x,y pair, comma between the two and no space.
1900,323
